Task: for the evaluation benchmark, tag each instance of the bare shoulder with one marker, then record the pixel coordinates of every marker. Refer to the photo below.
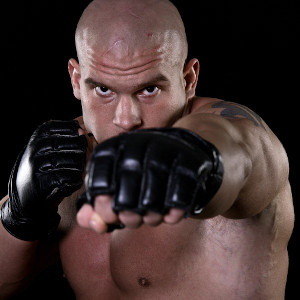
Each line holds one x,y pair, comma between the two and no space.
226,109
249,124
269,181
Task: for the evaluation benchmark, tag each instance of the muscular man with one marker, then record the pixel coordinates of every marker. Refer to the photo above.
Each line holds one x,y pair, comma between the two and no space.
200,185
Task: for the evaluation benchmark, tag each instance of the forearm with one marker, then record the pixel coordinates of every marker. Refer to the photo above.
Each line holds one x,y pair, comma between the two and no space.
237,162
40,179
17,261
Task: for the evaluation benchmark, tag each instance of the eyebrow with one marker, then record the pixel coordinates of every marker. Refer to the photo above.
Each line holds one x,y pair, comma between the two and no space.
153,81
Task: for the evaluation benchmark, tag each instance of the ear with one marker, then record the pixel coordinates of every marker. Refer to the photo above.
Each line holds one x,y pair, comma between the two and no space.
190,74
75,75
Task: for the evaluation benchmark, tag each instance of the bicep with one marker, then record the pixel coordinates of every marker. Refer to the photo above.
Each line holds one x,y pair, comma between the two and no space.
268,176
269,163
256,165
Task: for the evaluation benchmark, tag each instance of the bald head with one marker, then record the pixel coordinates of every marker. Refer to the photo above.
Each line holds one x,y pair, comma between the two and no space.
125,29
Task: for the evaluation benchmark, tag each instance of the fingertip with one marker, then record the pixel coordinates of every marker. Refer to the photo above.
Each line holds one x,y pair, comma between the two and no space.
152,218
84,215
87,218
130,219
174,216
97,224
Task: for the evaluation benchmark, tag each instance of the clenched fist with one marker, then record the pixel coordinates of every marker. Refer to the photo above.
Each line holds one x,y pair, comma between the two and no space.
49,169
148,176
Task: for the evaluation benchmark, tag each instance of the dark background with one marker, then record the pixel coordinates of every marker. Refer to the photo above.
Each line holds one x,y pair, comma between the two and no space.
248,51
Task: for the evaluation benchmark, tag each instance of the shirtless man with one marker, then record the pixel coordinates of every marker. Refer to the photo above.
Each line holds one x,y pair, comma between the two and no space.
204,197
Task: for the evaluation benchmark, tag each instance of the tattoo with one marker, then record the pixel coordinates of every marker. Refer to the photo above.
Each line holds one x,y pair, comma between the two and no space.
232,110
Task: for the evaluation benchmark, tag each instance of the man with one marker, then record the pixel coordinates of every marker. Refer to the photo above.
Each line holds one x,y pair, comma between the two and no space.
200,185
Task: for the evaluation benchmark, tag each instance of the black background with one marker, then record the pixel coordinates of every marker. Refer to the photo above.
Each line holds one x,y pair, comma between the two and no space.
248,52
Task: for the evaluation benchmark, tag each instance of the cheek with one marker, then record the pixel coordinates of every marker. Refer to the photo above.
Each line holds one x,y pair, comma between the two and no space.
89,112
97,118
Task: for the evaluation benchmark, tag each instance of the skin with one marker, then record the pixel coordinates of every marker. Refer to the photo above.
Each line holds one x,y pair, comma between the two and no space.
132,74
135,62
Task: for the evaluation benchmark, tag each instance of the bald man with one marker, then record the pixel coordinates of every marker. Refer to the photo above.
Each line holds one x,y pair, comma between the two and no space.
184,197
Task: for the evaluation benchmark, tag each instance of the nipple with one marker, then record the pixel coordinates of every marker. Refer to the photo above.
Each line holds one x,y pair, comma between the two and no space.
144,282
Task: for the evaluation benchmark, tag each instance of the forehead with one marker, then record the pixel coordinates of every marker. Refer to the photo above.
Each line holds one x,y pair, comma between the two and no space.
121,61
130,35
122,52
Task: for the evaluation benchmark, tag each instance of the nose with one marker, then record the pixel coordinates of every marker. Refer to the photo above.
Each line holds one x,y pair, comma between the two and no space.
127,114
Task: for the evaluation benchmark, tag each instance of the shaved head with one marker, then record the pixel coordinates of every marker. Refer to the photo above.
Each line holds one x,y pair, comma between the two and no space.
122,30
132,71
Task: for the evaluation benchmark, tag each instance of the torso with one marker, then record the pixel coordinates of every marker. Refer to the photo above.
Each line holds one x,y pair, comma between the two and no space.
216,258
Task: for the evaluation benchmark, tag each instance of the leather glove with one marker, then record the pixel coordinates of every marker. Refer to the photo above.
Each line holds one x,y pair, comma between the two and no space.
155,170
49,169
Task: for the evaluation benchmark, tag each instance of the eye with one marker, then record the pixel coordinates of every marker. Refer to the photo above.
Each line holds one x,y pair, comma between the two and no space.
103,91
151,90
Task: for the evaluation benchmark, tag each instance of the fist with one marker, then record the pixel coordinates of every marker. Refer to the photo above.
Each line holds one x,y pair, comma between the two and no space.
149,176
49,169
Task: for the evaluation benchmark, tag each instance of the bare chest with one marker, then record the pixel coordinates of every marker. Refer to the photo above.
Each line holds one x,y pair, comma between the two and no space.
211,257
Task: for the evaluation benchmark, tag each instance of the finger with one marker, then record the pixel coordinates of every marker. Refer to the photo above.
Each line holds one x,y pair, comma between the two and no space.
152,218
128,176
87,218
155,179
174,216
84,215
99,178
103,207
59,127
97,224
130,219
128,188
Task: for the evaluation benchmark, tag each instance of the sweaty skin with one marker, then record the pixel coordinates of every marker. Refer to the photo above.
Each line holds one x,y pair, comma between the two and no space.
132,73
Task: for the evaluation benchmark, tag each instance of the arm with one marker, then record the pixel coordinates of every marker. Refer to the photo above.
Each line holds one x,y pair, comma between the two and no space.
21,260
168,176
255,163
48,170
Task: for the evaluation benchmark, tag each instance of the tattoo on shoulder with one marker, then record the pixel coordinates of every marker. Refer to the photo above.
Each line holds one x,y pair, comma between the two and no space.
232,110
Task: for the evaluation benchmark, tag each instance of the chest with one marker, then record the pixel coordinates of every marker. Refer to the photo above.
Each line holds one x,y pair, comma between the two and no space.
181,258
155,257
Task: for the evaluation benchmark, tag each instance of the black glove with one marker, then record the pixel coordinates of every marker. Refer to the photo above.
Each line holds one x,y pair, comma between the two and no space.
155,170
49,169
